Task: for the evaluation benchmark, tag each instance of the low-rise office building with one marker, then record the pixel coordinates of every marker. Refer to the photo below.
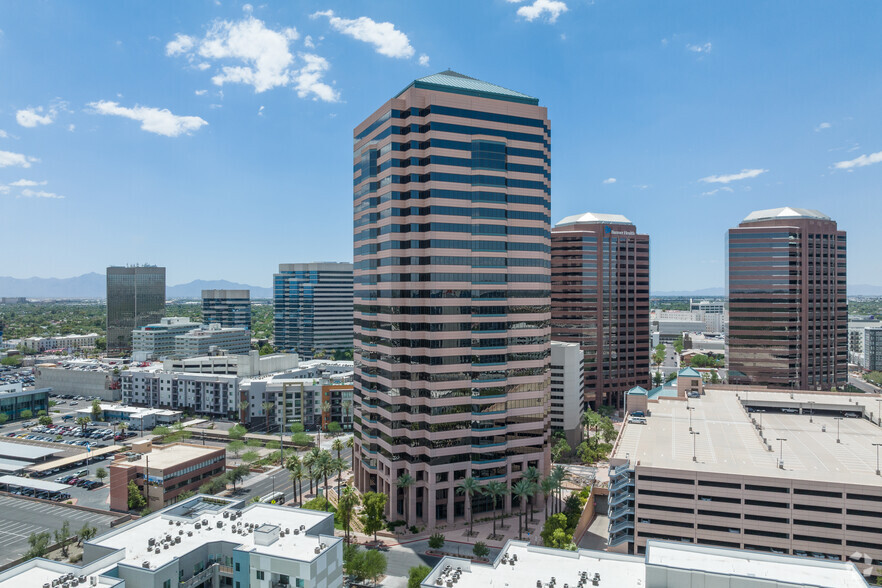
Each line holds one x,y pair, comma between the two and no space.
163,473
204,541
137,418
14,400
665,565
60,343
201,341
567,390
777,471
157,341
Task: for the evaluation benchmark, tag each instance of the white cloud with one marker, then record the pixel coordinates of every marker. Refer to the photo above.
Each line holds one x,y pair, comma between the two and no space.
260,111
261,58
28,193
715,190
10,159
861,161
641,186
307,42
23,183
181,44
154,120
200,92
30,118
609,181
386,39
71,127
706,48
744,174
530,12
4,189
822,126
424,60
3,134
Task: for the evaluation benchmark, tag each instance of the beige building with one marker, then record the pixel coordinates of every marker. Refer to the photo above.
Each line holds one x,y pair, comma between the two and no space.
775,471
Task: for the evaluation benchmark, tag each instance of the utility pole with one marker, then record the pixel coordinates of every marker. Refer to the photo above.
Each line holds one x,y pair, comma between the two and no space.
877,445
781,458
837,419
694,435
811,411
690,409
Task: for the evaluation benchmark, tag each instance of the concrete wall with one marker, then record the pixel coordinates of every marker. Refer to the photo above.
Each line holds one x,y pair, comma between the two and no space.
77,382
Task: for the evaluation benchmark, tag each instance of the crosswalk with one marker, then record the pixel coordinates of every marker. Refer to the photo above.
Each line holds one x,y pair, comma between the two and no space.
19,518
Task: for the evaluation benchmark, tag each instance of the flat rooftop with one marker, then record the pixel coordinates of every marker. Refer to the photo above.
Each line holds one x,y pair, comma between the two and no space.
728,442
25,452
135,537
166,457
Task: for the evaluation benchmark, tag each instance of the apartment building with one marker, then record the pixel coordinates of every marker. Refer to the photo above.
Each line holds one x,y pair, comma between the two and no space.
872,353
751,468
228,308
135,298
788,311
205,541
452,197
157,341
567,390
60,342
600,299
214,395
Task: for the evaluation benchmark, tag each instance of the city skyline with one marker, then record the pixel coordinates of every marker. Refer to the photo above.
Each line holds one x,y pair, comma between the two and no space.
699,116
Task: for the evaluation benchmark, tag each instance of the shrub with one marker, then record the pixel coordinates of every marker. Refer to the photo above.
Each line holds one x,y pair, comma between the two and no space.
480,549
436,541
416,575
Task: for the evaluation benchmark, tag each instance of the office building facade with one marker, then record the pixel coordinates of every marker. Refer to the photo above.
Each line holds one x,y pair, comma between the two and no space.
135,298
157,341
567,390
872,354
313,307
228,308
452,275
201,341
600,299
788,311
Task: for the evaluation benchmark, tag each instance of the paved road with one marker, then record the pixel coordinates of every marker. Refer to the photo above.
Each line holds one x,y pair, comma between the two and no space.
863,385
21,517
261,485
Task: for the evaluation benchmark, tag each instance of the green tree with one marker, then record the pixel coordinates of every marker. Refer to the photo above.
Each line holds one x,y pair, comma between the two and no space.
27,413
590,420
436,541
416,575
495,490
12,361
480,549
678,344
658,356
374,565
334,428
62,537
39,543
3,418
237,432
353,562
250,456
550,537
607,430
266,349
309,461
101,474
339,466
267,407
405,481
523,489
715,377
338,446
559,474
560,449
45,421
161,431
469,487
235,447
86,533
295,468
547,486
301,439
373,513
346,504
237,474
101,343
657,379
96,411
136,499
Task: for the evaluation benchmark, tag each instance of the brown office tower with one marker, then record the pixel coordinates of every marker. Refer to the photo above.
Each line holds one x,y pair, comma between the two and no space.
600,299
788,312
452,295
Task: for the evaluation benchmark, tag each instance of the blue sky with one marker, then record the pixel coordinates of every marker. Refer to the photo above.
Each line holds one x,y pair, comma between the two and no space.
215,138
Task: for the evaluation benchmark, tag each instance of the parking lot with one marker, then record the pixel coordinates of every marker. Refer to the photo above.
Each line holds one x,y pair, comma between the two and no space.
21,517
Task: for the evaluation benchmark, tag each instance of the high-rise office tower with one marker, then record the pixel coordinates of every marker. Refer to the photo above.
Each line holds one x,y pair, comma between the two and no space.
452,277
600,299
135,298
313,307
227,308
788,311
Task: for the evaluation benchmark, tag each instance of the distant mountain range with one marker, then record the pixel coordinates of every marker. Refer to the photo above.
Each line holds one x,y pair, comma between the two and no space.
853,290
93,285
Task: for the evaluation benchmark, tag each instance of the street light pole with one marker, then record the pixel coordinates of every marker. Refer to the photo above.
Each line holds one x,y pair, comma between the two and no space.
690,409
879,411
811,411
781,458
694,434
877,445
837,419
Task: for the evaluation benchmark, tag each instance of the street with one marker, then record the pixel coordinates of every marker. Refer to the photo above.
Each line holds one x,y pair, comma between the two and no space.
863,385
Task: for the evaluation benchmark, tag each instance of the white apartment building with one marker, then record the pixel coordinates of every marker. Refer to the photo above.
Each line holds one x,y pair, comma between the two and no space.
157,341
60,342
567,390
857,326
200,341
205,394
872,355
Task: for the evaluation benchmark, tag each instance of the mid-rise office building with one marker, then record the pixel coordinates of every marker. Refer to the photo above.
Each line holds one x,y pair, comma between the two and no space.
313,307
163,473
857,334
201,341
228,308
788,311
600,300
707,306
15,400
135,298
452,275
872,355
749,468
567,390
205,541
157,341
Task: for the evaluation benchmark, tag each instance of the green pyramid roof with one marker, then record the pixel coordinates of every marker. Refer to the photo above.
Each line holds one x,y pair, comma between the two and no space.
689,373
451,81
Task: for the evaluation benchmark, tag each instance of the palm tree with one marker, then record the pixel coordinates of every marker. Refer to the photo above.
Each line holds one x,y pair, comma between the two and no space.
546,486
339,466
559,473
346,405
495,490
325,407
590,420
532,475
346,504
325,469
350,443
309,461
267,407
83,422
337,446
522,489
405,481
295,466
243,407
469,486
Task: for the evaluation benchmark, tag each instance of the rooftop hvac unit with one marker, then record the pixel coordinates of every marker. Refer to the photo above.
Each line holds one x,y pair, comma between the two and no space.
145,564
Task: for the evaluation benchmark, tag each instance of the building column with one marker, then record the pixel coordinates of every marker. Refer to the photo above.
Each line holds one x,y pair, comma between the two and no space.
451,504
429,506
410,515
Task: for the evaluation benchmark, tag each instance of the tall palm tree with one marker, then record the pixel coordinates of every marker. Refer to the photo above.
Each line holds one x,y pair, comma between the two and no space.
346,405
405,481
546,486
309,461
326,469
522,489
469,486
590,420
350,443
267,407
559,473
346,504
295,467
495,490
339,466
532,475
243,407
337,446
